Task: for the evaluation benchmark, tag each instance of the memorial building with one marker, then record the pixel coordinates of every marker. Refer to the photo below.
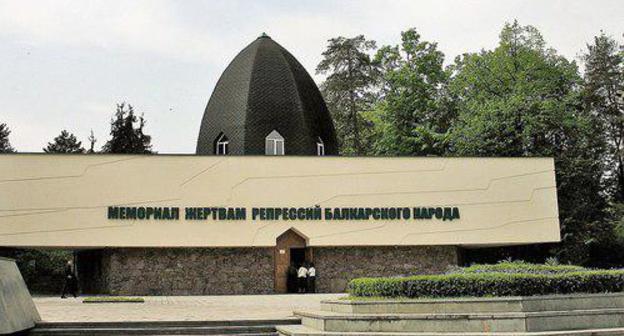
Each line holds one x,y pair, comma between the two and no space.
266,191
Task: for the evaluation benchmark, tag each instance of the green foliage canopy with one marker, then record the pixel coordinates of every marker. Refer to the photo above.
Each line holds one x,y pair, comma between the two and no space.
349,88
415,112
519,99
5,145
127,134
64,143
603,92
523,99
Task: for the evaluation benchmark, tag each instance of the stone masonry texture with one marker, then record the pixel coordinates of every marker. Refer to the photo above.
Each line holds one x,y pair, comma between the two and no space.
336,266
183,271
227,271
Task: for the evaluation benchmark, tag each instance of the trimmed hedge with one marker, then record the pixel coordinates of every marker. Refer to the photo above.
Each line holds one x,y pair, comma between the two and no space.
490,284
113,299
520,267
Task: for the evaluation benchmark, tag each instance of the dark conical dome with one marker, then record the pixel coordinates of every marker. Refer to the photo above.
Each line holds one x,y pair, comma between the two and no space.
265,89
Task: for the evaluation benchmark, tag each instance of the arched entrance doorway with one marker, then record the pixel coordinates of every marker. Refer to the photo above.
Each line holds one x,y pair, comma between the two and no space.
290,251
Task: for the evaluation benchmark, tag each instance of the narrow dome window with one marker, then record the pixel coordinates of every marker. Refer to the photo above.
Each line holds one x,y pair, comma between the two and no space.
274,144
222,145
320,147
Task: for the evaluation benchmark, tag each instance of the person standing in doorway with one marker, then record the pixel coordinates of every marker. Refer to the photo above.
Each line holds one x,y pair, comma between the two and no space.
302,274
311,278
71,285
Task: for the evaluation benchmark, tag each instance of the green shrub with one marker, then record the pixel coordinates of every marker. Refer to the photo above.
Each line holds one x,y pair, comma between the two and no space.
552,261
490,284
113,299
519,267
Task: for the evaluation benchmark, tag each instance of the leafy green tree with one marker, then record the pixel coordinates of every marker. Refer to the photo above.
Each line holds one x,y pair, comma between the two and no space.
127,134
604,81
349,88
64,143
5,145
523,99
43,270
415,113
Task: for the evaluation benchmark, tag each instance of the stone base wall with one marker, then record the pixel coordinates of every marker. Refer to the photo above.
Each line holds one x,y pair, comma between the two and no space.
179,271
336,266
223,271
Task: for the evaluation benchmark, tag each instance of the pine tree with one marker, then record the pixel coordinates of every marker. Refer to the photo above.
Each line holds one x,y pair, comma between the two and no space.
349,88
65,143
5,145
127,134
604,82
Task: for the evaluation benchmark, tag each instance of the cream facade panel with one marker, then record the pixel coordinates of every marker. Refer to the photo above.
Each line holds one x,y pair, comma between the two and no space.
63,200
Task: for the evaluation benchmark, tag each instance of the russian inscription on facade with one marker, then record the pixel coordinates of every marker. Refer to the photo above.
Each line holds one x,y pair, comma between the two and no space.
283,213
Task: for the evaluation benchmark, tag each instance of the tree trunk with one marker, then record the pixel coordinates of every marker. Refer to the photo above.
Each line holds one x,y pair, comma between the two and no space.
619,193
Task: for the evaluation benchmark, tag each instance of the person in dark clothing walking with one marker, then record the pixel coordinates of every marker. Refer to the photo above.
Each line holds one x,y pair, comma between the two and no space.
71,285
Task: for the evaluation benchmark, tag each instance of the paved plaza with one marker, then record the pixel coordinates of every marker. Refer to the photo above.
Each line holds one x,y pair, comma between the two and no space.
180,308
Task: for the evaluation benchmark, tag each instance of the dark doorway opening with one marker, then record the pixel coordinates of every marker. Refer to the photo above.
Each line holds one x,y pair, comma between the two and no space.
297,257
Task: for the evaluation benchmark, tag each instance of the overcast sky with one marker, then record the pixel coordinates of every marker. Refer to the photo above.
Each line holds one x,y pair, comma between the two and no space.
65,64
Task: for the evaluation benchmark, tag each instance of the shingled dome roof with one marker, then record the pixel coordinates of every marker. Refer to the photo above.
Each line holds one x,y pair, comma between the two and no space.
265,89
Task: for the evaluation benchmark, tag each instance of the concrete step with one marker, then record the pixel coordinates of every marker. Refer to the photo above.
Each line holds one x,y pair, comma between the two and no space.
478,305
230,327
138,324
464,322
229,330
301,330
